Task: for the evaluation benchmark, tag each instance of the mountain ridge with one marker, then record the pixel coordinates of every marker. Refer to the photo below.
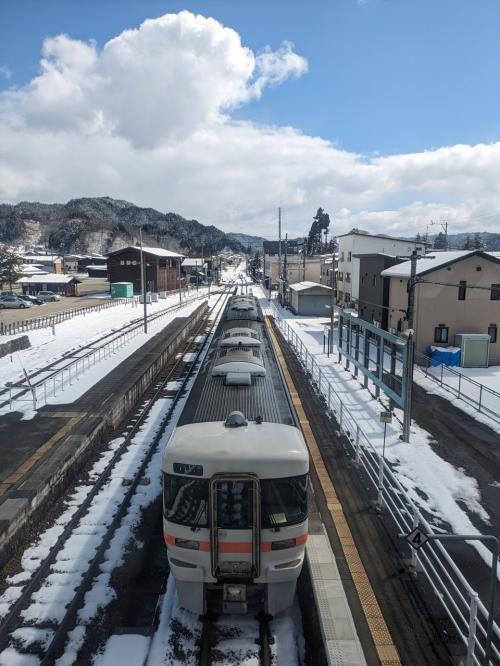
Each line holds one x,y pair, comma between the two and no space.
103,224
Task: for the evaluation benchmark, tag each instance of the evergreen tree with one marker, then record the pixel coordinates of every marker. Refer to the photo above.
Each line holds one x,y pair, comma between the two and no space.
418,237
478,241
440,241
468,243
10,263
321,221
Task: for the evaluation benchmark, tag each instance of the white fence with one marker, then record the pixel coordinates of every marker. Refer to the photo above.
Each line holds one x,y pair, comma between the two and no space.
466,611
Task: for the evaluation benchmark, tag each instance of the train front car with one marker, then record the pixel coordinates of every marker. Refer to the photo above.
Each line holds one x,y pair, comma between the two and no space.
235,514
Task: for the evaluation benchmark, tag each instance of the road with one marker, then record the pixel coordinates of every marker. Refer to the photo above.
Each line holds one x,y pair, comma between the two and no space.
88,287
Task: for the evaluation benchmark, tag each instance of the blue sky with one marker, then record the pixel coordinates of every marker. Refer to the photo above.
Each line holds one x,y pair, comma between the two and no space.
388,76
384,112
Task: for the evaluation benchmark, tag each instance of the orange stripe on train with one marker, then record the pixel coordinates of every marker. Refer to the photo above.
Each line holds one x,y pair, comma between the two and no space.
235,546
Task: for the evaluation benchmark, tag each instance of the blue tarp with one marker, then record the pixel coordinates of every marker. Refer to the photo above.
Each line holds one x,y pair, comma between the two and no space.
446,355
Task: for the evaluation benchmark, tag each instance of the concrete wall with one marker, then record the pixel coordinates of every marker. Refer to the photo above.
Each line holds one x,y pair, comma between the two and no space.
438,304
366,244
295,268
87,437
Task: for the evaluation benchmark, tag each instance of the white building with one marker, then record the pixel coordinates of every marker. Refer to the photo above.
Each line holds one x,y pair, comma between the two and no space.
296,269
361,242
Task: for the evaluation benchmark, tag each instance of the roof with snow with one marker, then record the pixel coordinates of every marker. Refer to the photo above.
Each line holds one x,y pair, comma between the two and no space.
435,260
96,267
49,278
192,262
41,258
303,286
156,251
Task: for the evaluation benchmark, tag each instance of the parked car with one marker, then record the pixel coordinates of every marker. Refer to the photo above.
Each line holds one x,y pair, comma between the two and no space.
13,302
31,299
48,296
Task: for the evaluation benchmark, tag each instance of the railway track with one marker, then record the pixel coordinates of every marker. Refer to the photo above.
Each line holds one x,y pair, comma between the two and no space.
49,609
238,640
80,354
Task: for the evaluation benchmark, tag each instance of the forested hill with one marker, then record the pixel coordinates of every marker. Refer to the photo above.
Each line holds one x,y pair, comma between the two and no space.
102,224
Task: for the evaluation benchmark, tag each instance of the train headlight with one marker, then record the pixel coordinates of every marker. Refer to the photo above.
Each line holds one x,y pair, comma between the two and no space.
233,593
283,544
187,543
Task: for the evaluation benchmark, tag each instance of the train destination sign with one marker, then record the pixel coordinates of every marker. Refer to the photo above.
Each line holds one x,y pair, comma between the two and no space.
188,469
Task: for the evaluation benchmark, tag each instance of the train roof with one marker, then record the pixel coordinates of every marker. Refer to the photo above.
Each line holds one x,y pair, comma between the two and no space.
240,336
270,450
212,400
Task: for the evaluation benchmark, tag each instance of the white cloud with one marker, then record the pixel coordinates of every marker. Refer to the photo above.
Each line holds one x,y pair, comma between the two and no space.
148,119
5,72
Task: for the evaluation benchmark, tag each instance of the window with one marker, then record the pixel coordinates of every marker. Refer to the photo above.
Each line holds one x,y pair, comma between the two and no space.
284,501
185,500
341,256
347,297
347,277
462,290
374,280
349,256
495,292
441,333
492,332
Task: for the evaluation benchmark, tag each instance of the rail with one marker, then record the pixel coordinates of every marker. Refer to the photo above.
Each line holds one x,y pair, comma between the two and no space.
481,397
466,611
48,387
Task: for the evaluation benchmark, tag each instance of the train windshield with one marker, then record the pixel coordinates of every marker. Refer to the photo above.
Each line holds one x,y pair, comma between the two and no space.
284,501
185,500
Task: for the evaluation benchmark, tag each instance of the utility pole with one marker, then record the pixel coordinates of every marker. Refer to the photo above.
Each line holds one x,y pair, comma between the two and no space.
279,252
445,227
143,285
304,258
179,278
410,347
285,268
332,301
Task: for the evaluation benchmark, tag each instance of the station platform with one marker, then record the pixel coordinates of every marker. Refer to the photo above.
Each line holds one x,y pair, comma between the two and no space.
352,554
41,456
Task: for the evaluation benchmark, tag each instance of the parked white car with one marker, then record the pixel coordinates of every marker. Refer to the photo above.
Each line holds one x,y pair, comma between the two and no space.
13,302
48,296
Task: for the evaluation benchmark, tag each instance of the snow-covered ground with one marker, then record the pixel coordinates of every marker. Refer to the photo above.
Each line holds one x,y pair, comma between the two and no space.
49,602
480,398
445,494
71,336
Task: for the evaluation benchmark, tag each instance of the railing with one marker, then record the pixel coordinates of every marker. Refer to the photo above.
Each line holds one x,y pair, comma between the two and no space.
466,611
58,317
60,379
481,397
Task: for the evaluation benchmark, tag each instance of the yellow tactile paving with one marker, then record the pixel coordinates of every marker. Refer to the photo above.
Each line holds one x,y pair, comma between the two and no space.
384,645
73,417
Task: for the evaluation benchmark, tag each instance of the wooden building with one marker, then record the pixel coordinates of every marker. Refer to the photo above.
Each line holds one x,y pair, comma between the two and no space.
161,266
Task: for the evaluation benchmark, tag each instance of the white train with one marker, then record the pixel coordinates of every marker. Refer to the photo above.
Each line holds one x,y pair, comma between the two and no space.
235,480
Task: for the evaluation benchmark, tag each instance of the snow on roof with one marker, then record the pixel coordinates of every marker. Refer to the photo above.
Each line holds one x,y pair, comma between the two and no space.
193,261
302,286
97,267
49,278
433,261
44,258
157,251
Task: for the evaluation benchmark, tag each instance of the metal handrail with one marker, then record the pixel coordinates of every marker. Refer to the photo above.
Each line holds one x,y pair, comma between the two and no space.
466,611
425,362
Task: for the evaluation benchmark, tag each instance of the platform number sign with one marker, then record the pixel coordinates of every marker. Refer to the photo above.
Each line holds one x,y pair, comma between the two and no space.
417,538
